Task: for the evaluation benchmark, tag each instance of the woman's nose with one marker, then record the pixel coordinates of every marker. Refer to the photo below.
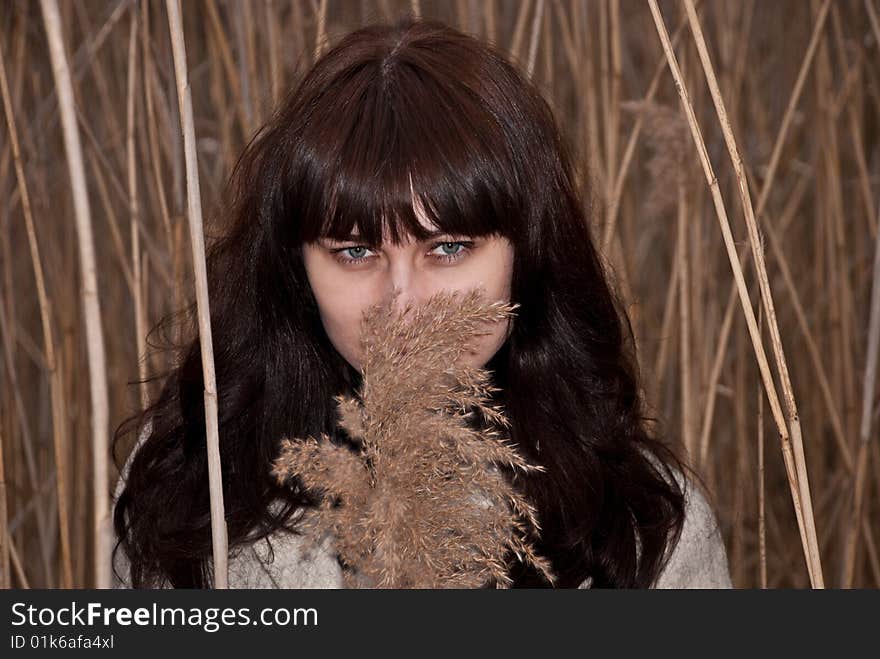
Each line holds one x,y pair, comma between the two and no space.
404,285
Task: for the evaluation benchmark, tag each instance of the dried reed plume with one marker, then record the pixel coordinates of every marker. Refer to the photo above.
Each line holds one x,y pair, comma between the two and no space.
666,137
421,502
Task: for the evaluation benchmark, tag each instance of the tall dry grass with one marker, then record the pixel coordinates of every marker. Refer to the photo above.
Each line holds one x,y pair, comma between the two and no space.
785,99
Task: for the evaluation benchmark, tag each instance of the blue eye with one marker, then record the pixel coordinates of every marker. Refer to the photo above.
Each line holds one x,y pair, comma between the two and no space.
451,248
450,251
356,252
352,255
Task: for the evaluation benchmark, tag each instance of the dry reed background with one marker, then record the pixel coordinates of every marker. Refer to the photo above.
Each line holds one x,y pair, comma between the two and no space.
800,83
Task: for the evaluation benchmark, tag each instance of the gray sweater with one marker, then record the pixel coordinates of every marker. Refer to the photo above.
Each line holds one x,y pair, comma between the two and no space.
699,559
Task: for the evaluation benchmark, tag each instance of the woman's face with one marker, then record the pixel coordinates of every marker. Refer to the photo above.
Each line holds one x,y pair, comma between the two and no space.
347,277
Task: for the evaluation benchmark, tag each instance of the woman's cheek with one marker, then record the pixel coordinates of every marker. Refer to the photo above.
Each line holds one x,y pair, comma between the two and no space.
342,319
487,345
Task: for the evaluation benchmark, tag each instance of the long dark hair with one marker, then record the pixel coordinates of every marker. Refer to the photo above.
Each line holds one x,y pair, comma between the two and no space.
392,110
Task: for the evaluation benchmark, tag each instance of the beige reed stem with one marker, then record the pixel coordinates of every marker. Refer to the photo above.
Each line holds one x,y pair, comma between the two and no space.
489,20
860,482
16,564
763,365
155,155
184,99
533,39
519,28
321,34
685,358
91,303
612,119
140,321
874,20
794,422
275,65
762,483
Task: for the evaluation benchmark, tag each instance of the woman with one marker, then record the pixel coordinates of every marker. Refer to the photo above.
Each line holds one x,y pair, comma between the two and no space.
410,157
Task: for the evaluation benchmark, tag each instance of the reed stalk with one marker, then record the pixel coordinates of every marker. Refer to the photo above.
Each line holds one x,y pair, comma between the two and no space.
140,319
91,303
870,381
18,567
219,540
153,139
615,73
520,28
275,65
321,35
533,40
685,357
489,21
762,523
873,20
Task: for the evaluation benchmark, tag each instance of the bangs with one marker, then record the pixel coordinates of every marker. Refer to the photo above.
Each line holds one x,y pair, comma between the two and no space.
394,135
